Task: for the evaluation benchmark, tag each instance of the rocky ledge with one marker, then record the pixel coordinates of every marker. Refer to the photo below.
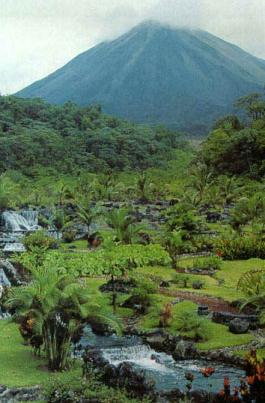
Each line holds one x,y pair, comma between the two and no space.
8,395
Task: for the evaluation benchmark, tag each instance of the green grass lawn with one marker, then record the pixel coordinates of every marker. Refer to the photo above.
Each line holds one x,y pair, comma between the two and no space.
18,366
216,335
222,285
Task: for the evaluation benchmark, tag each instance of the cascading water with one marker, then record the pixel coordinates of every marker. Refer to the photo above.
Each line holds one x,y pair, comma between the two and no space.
14,225
26,220
31,216
160,367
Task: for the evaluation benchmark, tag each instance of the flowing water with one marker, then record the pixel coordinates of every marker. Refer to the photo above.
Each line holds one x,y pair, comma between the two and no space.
160,367
14,226
26,220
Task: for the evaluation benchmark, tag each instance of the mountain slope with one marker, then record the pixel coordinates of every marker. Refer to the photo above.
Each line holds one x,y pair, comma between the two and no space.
157,74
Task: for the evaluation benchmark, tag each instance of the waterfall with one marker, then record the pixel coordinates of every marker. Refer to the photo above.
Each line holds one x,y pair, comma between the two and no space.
4,281
27,220
31,217
141,355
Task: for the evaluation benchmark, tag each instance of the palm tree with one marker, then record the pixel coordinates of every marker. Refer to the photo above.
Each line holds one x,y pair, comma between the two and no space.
201,180
56,305
87,214
228,189
144,188
173,242
124,225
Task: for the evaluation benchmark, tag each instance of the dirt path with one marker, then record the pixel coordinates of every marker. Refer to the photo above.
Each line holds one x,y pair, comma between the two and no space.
214,303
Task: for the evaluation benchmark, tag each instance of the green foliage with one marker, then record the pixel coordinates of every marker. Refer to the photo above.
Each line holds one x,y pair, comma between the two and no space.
68,138
38,239
190,325
54,304
73,389
116,259
124,225
252,285
175,246
211,262
244,247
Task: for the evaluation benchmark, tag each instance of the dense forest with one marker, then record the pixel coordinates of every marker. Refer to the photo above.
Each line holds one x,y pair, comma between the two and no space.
69,138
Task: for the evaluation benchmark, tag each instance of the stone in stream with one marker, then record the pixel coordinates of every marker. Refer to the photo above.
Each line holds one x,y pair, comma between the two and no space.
184,350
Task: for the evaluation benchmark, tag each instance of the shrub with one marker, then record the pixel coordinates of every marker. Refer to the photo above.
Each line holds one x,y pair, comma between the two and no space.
39,239
165,315
191,326
197,285
212,262
245,247
69,235
73,389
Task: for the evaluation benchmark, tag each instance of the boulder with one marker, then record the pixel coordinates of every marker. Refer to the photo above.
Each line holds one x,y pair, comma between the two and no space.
226,317
238,326
122,286
100,328
164,284
10,272
137,302
203,310
184,350
213,216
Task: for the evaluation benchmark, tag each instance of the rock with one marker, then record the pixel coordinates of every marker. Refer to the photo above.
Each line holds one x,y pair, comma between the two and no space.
122,286
10,272
203,310
197,285
184,350
137,302
226,317
164,284
213,216
4,281
238,326
157,342
100,328
8,395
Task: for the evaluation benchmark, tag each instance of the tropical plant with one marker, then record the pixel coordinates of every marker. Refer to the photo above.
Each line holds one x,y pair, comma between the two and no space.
124,225
86,214
252,285
38,239
57,304
174,245
166,315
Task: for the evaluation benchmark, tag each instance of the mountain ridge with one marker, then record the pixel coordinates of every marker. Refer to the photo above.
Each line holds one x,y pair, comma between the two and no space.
157,74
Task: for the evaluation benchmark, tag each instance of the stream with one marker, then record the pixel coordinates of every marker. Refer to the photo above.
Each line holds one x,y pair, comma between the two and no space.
160,367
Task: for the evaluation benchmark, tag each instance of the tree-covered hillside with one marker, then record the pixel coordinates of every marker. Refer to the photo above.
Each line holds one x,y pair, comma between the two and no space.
237,148
66,138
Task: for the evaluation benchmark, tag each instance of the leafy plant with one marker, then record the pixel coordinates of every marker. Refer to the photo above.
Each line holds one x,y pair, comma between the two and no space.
124,225
39,239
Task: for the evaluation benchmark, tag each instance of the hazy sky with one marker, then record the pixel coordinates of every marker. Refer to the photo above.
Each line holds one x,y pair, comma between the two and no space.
38,36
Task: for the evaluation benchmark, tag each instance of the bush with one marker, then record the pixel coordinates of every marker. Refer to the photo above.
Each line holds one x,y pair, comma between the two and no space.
39,239
245,247
191,326
212,262
197,285
71,388
69,236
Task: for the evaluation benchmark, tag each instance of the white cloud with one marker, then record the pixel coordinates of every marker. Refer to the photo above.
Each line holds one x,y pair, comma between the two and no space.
38,36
